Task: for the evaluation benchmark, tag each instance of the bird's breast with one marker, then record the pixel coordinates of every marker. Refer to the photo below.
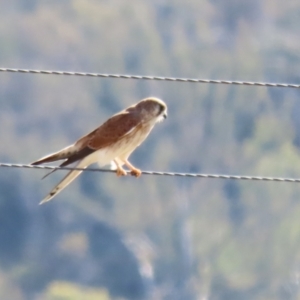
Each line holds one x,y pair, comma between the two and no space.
129,142
124,146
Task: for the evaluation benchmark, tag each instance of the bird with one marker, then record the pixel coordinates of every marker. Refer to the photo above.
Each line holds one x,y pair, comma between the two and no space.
112,142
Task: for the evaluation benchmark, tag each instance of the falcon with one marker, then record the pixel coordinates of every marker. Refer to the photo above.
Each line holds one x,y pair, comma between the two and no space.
111,142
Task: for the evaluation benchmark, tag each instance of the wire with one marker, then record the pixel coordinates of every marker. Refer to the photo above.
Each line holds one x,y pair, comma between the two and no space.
195,175
139,77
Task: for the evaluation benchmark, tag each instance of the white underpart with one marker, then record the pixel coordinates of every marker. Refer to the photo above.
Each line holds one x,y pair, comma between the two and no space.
160,119
112,166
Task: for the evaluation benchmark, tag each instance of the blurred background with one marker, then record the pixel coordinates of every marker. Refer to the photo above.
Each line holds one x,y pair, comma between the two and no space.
155,237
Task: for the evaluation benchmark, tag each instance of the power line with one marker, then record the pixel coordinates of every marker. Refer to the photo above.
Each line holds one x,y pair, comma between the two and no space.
159,78
138,77
195,175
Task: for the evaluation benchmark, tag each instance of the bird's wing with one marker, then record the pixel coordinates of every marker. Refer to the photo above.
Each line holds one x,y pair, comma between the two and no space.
113,130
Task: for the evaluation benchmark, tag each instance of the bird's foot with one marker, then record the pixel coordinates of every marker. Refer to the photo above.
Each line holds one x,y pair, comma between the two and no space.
136,172
121,172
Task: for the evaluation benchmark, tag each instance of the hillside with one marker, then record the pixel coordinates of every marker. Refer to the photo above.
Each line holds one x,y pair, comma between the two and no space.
153,237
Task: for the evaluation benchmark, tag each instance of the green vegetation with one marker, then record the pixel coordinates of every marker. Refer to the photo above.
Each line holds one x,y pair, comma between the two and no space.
67,291
156,237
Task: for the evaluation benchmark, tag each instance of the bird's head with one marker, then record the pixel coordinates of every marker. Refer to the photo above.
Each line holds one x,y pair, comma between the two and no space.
153,109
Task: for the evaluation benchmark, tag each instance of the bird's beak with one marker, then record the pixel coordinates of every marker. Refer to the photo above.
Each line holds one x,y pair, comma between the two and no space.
165,115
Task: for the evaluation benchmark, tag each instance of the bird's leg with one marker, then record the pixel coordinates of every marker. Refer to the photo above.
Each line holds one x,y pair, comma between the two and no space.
120,171
134,171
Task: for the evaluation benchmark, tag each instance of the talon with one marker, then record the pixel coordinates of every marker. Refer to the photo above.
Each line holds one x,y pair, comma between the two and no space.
121,172
136,172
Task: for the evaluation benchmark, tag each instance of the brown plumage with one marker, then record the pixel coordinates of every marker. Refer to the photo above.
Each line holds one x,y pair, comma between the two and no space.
113,141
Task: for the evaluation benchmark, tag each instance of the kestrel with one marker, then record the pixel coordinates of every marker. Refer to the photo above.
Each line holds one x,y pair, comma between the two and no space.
113,141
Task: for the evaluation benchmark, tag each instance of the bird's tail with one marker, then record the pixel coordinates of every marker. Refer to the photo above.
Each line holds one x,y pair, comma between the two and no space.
66,180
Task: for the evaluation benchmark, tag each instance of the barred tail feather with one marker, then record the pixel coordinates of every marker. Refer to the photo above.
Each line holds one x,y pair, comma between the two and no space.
66,180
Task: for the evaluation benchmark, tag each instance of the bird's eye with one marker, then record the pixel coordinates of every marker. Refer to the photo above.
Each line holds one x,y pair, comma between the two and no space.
161,109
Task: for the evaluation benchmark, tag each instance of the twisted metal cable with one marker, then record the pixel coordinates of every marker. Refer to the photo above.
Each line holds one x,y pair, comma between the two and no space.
139,77
195,175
